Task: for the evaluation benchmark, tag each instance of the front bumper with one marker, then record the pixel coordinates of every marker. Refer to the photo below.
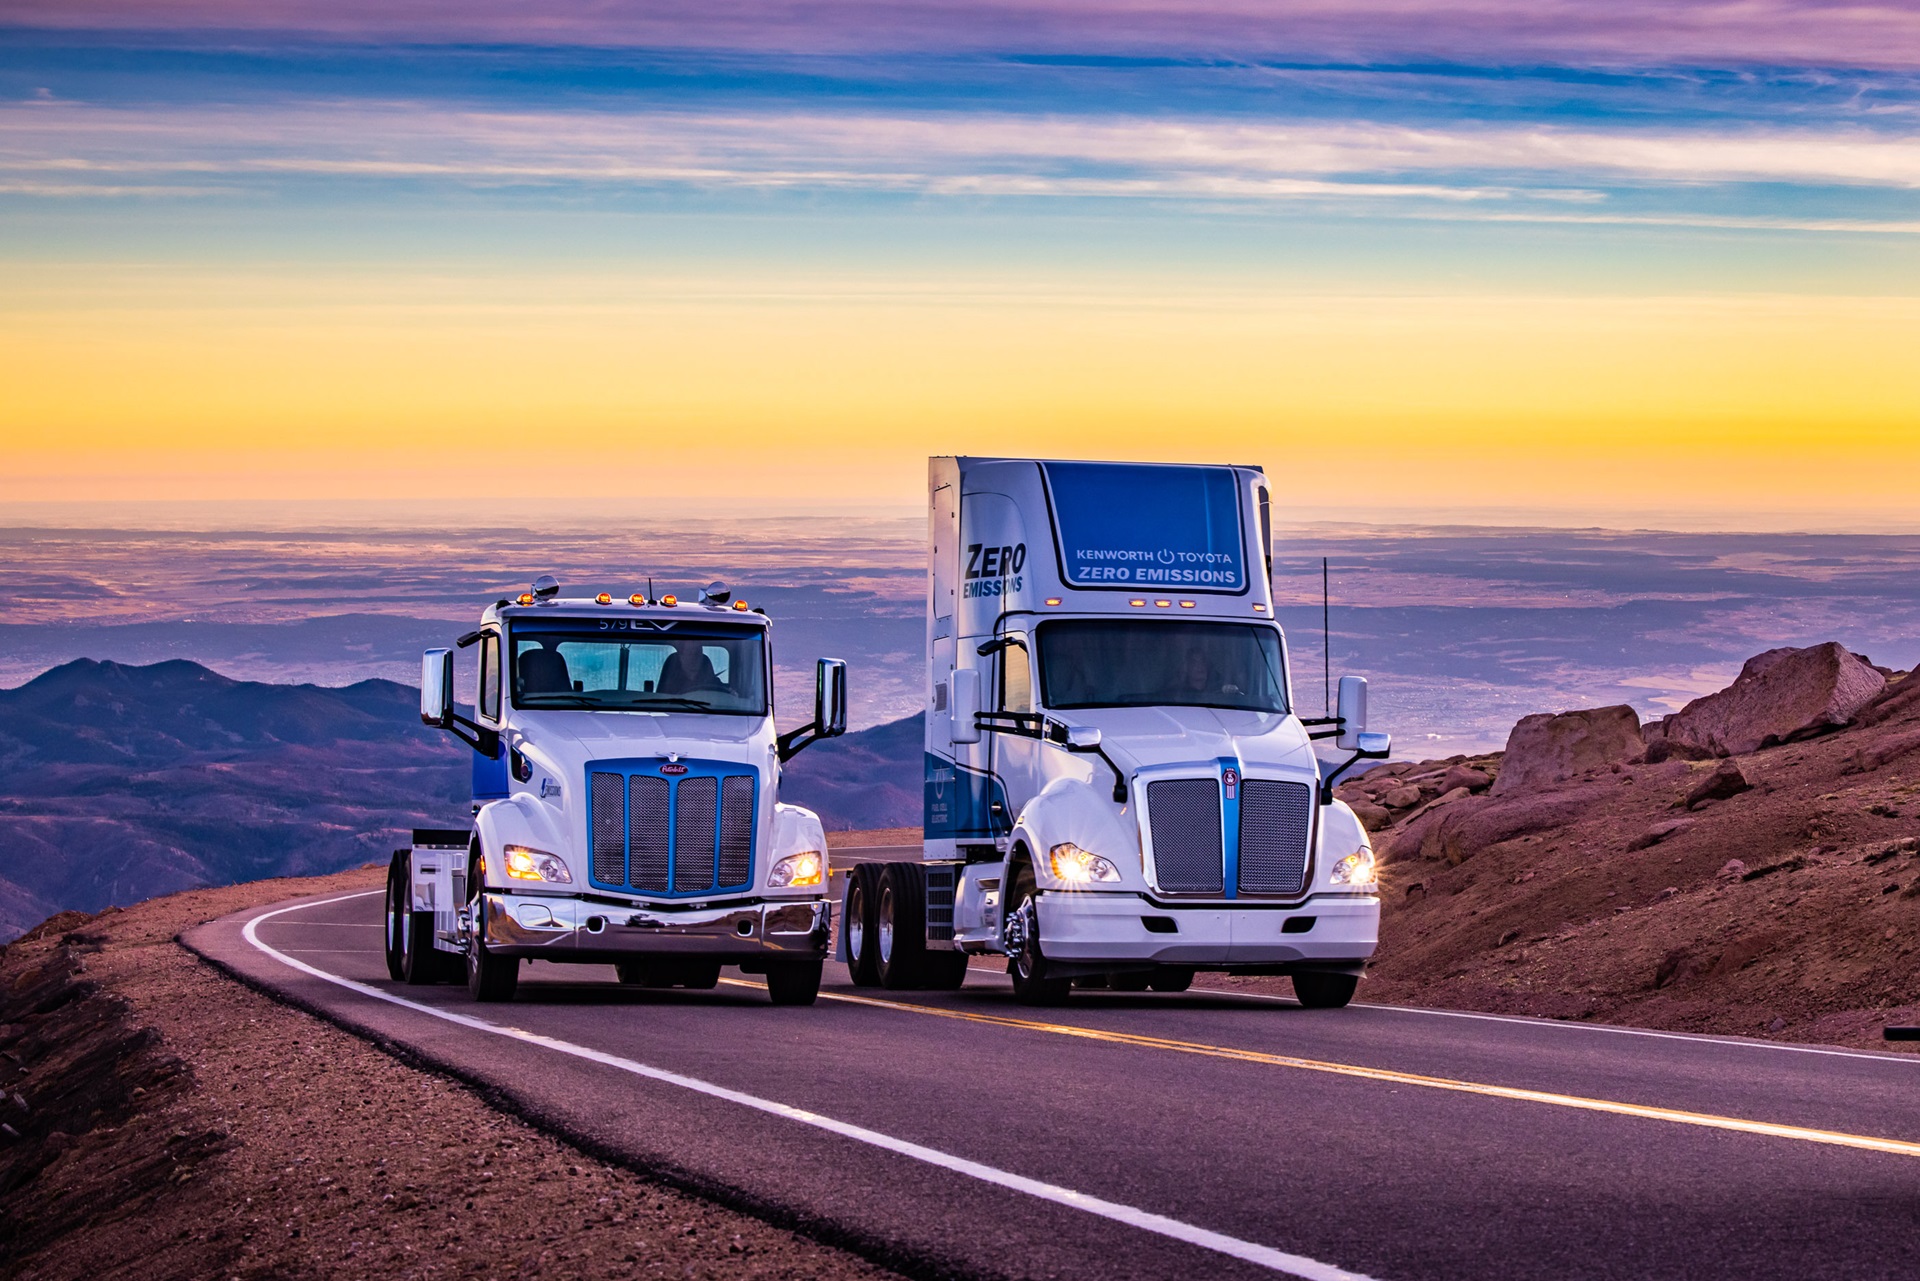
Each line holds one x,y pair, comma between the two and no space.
560,929
1085,927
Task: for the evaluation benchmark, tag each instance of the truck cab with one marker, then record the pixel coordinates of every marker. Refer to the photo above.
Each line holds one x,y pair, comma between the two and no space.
1119,788
626,810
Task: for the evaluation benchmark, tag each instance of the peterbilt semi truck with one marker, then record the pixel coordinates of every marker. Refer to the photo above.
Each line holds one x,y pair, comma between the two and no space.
1120,789
626,811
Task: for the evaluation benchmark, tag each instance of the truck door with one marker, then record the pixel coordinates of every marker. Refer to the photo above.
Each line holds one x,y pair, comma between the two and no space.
1019,762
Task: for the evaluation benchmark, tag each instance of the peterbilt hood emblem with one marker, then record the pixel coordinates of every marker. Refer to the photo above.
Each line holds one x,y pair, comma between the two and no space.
673,768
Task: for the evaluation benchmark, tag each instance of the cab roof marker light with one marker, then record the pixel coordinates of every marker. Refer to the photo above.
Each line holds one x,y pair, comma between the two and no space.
526,598
1163,604
1136,603
669,600
740,605
1258,608
1053,600
638,598
1186,604
604,598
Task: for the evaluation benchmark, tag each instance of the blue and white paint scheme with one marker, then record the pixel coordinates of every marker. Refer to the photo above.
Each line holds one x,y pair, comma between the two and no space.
1061,597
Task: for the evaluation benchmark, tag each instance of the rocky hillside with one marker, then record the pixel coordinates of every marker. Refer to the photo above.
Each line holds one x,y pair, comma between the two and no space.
119,783
1750,864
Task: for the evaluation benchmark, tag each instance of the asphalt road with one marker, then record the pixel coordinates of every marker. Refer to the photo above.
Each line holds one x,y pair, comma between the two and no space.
1204,1134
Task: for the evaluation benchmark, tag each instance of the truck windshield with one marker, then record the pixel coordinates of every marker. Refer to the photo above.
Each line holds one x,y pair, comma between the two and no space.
601,665
1151,663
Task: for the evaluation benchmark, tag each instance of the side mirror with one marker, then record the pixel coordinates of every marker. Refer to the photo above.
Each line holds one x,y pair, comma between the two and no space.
1083,738
963,703
436,688
1352,712
829,698
1375,745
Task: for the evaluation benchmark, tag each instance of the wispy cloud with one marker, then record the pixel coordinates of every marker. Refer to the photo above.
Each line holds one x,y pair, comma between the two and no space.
1857,33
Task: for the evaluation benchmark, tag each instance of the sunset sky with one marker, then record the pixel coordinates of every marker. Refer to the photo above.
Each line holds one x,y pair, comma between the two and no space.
1598,261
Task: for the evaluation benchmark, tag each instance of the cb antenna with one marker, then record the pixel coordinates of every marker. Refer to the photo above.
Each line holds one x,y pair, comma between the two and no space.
1326,639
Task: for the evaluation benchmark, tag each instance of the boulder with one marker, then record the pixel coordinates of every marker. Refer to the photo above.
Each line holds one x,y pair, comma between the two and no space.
1400,798
1371,816
1658,833
1468,777
1727,779
1781,696
1462,829
1551,748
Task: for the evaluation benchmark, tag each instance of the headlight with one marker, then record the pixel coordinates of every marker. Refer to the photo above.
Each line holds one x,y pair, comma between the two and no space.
1354,869
809,867
1079,867
524,863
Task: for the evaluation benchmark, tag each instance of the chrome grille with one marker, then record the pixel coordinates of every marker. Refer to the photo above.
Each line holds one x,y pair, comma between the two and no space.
1276,825
647,828
609,852
687,834
693,833
736,829
1184,814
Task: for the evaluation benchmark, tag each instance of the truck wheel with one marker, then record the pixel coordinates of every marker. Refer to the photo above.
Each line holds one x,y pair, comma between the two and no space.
1170,980
863,890
794,982
489,977
943,971
1324,991
902,918
396,917
1025,964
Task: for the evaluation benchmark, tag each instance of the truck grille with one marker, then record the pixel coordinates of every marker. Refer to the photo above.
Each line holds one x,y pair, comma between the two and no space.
1184,814
687,835
1276,824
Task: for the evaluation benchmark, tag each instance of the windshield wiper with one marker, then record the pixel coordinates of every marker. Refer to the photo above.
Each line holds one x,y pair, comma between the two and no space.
696,704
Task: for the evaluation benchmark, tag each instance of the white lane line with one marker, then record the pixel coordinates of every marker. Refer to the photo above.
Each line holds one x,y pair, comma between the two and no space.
1247,1251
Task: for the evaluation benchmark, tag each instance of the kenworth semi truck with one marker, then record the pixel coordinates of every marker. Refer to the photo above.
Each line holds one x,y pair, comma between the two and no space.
626,811
1120,790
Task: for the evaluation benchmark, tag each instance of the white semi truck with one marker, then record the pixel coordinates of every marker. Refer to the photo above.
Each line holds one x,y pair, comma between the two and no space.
625,802
1119,788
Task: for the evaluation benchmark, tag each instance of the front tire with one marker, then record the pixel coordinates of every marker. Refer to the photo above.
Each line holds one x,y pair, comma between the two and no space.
489,977
1171,980
1026,965
1324,991
794,982
863,962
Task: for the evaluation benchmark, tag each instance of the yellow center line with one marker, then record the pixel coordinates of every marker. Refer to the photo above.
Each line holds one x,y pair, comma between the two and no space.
1835,1138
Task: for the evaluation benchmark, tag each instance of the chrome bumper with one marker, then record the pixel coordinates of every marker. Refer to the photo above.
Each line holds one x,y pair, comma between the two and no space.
559,929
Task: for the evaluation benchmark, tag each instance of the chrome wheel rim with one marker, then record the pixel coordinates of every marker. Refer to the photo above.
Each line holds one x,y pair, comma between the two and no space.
886,928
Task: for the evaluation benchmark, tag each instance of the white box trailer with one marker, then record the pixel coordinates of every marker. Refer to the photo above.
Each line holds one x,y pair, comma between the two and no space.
1119,789
626,810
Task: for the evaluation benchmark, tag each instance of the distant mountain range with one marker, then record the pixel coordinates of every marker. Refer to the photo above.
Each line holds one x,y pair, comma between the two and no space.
118,782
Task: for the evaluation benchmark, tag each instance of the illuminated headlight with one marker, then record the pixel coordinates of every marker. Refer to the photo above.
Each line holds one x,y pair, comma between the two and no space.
524,863
808,867
1354,869
1080,867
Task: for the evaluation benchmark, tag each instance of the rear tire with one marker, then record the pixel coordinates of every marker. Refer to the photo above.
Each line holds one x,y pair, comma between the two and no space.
1324,991
863,886
902,917
793,982
396,916
1171,980
1026,965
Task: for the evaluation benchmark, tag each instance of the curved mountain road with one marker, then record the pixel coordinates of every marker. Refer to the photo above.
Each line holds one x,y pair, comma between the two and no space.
1209,1133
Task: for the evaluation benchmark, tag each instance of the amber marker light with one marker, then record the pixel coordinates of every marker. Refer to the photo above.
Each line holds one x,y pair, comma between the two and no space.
1258,608
526,598
1163,604
1136,603
669,600
740,605
1186,604
638,598
604,598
